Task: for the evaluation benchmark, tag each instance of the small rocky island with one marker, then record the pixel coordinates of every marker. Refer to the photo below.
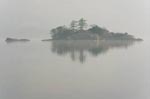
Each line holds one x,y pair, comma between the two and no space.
16,40
78,31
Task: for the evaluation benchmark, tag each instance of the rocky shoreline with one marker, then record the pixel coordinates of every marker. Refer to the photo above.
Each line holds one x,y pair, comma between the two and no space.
16,40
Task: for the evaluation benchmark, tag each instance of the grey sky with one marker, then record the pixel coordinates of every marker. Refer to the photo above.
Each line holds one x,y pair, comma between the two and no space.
34,18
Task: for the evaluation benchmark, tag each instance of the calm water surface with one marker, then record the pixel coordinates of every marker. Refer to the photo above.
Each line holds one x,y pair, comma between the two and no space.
75,70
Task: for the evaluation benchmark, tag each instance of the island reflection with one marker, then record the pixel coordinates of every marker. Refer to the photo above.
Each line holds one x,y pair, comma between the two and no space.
78,49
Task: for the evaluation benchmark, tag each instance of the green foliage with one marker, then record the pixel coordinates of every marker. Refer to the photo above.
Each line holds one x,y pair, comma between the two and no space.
82,24
60,32
98,30
76,31
74,25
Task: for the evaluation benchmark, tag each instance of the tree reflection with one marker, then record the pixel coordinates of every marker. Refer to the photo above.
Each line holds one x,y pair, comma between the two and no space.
78,49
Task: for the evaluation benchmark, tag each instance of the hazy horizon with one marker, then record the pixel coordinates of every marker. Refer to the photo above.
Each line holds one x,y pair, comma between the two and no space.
75,64
34,18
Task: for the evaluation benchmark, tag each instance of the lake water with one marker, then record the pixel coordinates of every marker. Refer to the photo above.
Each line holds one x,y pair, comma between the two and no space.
75,70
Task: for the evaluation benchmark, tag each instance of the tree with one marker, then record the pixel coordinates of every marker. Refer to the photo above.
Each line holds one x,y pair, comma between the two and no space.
98,30
82,24
60,32
73,25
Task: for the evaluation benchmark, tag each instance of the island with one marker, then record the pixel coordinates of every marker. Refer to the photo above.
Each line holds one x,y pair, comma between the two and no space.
78,31
16,40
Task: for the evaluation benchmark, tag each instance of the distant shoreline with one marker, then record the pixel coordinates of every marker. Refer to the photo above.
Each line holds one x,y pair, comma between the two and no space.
47,40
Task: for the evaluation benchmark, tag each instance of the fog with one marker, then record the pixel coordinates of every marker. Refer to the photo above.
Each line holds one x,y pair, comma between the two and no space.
116,68
35,18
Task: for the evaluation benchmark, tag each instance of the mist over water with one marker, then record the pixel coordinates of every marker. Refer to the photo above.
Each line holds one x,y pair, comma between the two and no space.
35,18
67,70
74,69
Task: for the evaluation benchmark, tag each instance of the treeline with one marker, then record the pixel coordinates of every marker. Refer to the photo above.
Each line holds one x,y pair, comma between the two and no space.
78,31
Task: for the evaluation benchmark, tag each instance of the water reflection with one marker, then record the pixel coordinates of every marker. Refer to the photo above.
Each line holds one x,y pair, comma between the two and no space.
78,49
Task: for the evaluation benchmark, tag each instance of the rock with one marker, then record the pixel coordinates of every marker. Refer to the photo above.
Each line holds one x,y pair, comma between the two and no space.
14,40
139,39
47,40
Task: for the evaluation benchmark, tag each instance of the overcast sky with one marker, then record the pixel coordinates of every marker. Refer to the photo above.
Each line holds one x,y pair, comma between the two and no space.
34,18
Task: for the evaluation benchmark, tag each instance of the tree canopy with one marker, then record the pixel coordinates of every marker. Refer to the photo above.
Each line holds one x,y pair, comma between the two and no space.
77,30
